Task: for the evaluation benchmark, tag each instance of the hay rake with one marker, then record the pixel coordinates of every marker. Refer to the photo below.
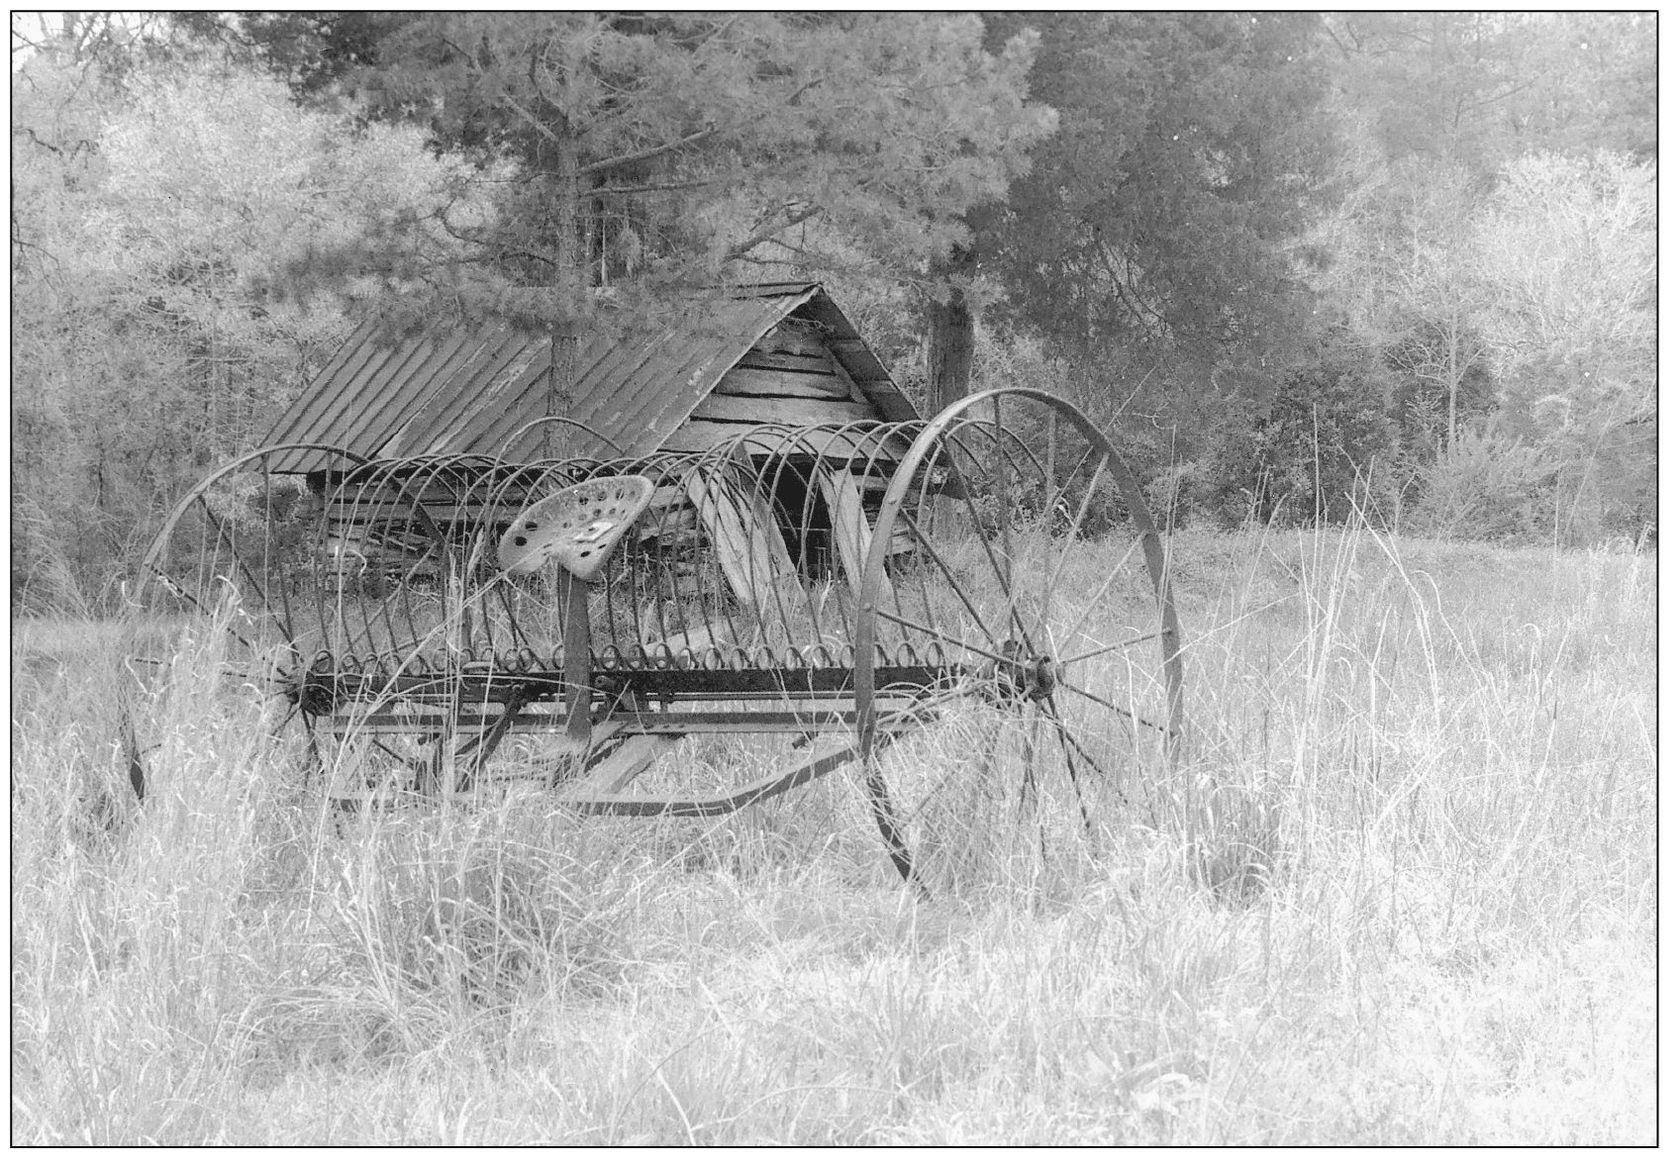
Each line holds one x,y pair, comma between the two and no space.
836,589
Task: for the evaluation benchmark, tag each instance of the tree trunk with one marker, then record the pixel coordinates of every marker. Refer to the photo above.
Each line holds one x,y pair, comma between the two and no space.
1454,374
950,332
571,252
950,355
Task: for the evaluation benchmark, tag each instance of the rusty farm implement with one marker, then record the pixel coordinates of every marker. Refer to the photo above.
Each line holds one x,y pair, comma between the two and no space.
441,623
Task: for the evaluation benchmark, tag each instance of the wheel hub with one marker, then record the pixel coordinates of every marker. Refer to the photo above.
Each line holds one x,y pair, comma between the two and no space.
1025,675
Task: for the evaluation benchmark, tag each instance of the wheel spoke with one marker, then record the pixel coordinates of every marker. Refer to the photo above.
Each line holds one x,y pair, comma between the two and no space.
1029,758
918,709
1068,741
1006,506
1078,520
389,751
1103,650
224,538
1069,745
956,587
952,639
293,710
1048,511
253,670
1031,783
1114,707
186,595
1085,614
1003,575
312,744
1014,598
880,803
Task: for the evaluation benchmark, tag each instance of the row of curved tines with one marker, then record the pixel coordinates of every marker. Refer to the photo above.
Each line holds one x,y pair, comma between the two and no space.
494,482
470,496
523,662
424,496
458,502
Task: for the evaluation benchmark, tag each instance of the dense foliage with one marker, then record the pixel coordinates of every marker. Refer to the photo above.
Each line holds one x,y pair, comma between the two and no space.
1277,254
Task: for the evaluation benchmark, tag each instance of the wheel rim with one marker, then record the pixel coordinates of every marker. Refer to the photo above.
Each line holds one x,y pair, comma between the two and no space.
1040,576
221,557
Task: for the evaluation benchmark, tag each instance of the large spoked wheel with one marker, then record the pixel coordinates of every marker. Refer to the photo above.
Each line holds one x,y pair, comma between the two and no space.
1015,550
227,564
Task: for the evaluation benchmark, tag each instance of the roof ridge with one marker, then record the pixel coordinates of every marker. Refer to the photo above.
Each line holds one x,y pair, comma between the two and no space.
469,385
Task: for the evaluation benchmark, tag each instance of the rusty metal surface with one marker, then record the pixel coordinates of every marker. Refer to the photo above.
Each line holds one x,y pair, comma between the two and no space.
790,563
995,565
472,391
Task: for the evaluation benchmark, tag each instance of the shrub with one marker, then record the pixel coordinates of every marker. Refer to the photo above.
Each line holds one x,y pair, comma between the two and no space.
1486,487
1325,433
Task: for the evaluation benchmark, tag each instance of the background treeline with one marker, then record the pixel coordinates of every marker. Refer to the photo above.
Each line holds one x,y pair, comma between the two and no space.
1285,258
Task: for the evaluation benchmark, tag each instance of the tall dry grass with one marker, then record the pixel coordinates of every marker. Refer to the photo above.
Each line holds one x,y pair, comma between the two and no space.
1399,889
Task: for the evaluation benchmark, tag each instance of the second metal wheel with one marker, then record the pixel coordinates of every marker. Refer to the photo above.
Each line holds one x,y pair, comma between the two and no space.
1038,572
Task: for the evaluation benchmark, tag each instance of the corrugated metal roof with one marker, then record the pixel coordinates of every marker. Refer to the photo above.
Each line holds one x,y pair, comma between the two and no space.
469,391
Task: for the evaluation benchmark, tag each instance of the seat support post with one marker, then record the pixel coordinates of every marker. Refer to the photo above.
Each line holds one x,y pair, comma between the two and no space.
574,630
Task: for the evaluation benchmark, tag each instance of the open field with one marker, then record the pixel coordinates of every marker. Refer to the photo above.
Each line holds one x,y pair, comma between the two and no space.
1402,889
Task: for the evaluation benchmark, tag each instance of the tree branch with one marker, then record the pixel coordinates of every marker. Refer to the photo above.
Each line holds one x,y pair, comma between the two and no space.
1124,290
769,232
651,187
531,118
516,253
1511,92
643,155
